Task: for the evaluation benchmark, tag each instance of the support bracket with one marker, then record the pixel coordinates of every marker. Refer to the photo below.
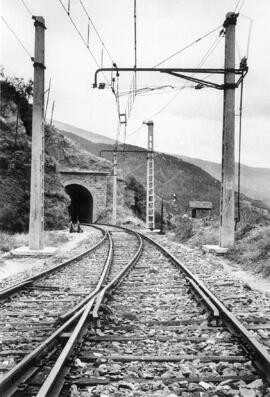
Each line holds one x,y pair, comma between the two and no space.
177,72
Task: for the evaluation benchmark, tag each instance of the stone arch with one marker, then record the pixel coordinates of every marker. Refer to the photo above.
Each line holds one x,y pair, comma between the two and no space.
94,181
83,201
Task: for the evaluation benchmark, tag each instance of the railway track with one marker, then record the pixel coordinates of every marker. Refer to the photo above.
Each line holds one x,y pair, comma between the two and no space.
28,312
43,291
251,307
153,329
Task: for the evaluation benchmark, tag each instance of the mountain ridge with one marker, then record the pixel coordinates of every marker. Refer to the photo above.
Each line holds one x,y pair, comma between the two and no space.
94,137
254,180
173,176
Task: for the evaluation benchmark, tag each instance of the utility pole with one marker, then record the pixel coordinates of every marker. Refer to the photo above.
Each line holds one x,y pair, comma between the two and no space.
114,188
36,224
162,218
227,206
52,113
150,192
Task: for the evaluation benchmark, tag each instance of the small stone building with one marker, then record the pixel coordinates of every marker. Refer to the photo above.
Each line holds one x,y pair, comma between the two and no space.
199,209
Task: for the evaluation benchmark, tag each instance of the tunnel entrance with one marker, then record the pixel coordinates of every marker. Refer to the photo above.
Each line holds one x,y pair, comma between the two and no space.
81,206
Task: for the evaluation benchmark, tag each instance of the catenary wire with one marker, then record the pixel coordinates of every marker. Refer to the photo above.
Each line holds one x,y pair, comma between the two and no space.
205,57
239,154
27,8
240,5
251,20
82,38
176,53
96,30
187,46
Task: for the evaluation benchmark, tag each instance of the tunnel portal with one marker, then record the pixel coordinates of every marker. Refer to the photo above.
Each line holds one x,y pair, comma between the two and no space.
81,206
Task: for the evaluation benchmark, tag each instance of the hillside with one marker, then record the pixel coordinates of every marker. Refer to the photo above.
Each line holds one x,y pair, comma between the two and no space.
15,168
96,138
15,163
255,182
173,175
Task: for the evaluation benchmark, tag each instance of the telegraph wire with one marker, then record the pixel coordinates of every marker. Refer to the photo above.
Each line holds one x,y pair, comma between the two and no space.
18,39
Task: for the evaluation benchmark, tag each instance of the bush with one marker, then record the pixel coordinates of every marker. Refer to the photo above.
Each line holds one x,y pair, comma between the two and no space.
184,228
20,92
10,241
138,204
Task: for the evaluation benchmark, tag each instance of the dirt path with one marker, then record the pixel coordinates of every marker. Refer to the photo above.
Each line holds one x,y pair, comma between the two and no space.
254,281
14,269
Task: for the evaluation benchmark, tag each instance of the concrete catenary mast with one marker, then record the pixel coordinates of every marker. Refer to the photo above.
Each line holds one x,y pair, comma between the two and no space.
227,206
36,224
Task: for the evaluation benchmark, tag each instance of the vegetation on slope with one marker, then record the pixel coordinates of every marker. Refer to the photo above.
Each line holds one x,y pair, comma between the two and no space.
15,163
172,175
60,152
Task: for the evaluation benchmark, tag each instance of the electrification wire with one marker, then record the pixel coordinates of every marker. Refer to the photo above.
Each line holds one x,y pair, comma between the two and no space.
118,112
187,46
205,57
239,152
146,89
237,5
17,38
82,38
251,20
135,46
27,8
168,91
133,86
96,30
210,50
103,46
249,37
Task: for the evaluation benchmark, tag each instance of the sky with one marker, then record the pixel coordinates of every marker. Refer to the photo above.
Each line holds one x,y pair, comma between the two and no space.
186,121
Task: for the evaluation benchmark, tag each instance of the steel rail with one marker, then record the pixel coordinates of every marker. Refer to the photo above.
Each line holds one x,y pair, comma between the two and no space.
46,389
260,356
117,278
104,273
12,379
15,287
50,387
